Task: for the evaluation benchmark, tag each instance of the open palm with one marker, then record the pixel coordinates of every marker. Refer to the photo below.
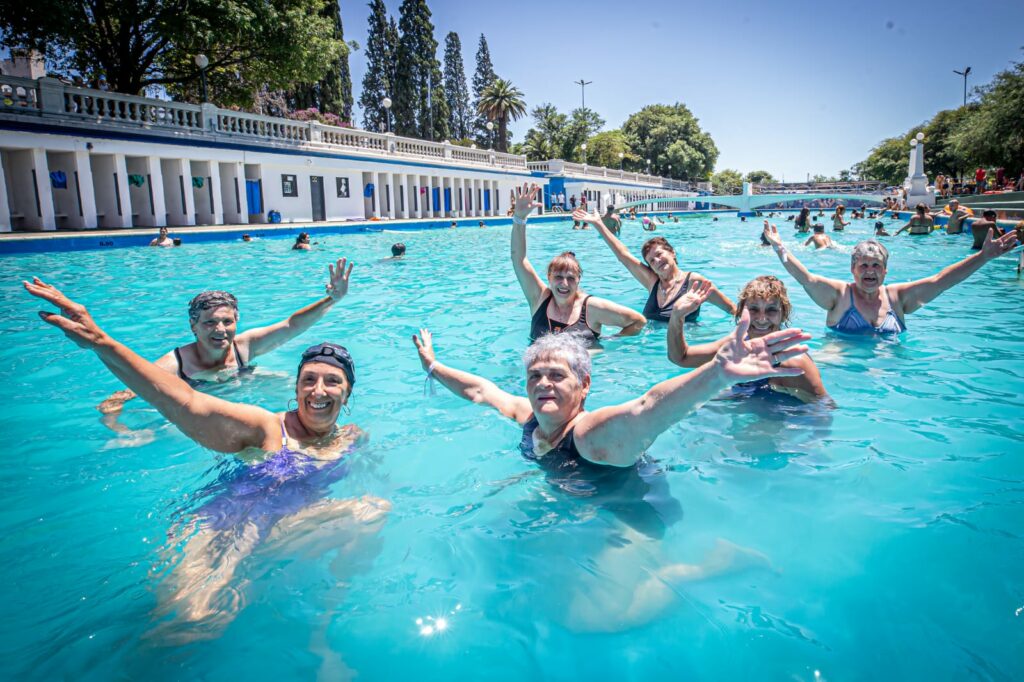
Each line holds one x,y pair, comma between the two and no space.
743,359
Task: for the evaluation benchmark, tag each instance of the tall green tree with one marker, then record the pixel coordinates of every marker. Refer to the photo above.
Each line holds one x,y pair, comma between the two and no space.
760,177
460,116
332,93
501,102
420,108
671,135
544,140
603,149
250,44
378,83
483,76
994,131
727,181
582,124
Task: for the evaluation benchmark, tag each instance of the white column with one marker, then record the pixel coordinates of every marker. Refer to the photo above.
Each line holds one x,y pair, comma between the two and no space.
218,201
48,218
155,178
392,191
396,184
424,196
378,195
124,196
86,190
5,205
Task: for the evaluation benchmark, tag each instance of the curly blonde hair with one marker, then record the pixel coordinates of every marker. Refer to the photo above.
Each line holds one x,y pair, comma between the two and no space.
766,287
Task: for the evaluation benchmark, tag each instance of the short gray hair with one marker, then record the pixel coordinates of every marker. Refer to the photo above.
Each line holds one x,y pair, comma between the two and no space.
568,347
870,248
210,299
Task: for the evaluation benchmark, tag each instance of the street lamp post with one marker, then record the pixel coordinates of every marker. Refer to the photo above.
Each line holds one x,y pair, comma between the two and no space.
648,166
584,148
202,62
490,133
964,73
386,103
622,155
583,92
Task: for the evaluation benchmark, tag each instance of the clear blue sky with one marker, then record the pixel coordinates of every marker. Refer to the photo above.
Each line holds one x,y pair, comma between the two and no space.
792,88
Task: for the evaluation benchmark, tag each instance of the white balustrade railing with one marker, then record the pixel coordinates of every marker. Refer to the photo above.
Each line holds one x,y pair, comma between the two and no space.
352,138
102,106
18,93
267,127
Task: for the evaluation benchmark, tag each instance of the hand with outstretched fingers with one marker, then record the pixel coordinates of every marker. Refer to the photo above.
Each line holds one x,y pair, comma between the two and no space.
524,201
993,248
337,285
693,298
583,216
771,233
742,359
74,320
425,346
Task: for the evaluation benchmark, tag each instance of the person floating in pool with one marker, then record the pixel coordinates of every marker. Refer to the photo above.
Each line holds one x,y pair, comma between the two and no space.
658,273
397,251
866,305
219,352
292,458
880,229
818,238
560,306
610,220
766,301
301,242
920,223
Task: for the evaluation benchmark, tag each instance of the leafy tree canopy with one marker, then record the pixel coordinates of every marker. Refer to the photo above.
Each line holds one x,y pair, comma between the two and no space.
671,135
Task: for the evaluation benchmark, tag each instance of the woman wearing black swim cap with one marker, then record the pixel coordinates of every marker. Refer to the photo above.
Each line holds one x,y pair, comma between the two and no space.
292,457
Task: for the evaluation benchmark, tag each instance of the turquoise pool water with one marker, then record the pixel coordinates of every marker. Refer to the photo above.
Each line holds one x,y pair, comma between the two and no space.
882,540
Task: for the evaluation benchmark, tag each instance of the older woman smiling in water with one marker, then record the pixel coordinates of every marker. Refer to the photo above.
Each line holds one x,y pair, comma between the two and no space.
292,458
867,305
559,305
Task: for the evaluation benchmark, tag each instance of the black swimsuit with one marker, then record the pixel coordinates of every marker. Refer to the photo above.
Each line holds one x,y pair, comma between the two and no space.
652,311
541,324
241,367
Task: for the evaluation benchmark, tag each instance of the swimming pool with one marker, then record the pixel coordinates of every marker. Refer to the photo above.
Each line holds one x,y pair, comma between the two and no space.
884,538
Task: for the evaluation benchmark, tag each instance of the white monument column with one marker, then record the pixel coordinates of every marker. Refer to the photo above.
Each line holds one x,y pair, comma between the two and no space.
917,182
47,216
86,190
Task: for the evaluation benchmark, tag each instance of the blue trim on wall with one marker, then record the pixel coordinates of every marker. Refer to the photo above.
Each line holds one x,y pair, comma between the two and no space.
49,129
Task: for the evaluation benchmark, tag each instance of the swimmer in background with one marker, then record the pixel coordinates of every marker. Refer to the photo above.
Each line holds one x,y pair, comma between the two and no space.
290,460
560,306
838,224
979,228
867,305
957,216
397,252
246,238
819,238
803,221
766,301
162,239
453,225
218,353
301,242
880,229
650,226
658,273
920,223
481,224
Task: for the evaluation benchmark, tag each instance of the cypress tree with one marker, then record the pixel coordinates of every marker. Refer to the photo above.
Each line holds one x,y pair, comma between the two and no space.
333,92
419,106
456,94
482,78
380,57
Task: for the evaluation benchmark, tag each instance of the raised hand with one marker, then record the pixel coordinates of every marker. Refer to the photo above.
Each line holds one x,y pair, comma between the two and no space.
74,320
771,233
583,216
993,248
694,297
742,359
425,346
337,285
524,201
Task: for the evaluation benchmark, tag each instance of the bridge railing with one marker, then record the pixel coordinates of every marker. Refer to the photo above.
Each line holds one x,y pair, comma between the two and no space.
90,108
559,166
854,186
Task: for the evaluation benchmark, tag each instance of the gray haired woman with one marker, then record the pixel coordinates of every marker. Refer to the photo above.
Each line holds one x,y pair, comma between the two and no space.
867,305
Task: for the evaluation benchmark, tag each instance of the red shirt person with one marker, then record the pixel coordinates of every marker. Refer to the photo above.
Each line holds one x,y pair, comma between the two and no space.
979,180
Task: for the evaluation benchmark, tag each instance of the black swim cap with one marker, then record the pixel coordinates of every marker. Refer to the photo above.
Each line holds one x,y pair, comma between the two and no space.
331,354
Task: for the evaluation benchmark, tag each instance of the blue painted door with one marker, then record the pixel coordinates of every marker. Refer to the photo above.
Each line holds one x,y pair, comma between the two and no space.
487,200
447,199
252,197
436,194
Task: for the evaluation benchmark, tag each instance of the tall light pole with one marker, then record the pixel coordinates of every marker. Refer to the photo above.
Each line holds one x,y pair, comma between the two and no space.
964,73
584,148
583,91
490,133
386,103
621,156
202,62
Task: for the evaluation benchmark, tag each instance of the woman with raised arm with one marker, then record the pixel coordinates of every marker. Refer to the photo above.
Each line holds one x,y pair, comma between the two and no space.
658,273
292,457
867,305
838,224
920,223
559,305
219,352
558,431
766,301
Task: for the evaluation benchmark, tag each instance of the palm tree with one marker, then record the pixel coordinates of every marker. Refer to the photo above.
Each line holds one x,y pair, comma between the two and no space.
499,102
